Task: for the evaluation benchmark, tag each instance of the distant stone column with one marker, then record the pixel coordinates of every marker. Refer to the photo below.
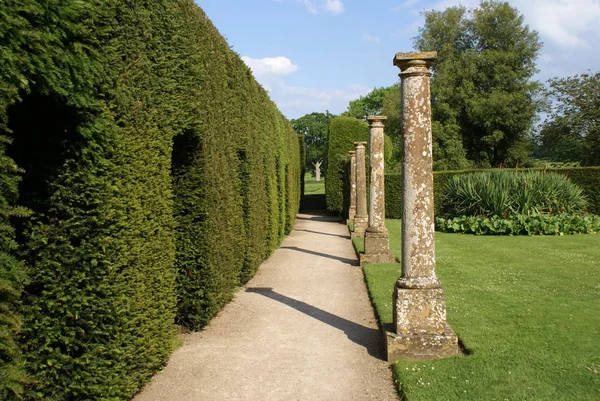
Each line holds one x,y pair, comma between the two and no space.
377,244
419,307
352,208
361,219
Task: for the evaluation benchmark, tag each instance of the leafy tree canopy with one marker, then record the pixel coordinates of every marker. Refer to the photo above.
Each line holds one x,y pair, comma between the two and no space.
572,130
484,100
314,127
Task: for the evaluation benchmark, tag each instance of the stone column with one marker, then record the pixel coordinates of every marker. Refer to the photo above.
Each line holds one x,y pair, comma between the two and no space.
361,219
352,208
377,244
420,324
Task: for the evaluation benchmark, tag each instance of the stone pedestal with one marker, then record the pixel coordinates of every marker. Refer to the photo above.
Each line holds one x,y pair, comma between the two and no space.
377,244
420,328
352,207
361,219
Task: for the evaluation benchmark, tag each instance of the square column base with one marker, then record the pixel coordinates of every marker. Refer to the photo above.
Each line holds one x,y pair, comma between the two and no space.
421,346
377,258
377,248
420,330
360,226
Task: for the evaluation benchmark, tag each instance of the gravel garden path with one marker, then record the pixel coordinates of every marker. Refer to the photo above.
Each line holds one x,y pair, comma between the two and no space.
301,329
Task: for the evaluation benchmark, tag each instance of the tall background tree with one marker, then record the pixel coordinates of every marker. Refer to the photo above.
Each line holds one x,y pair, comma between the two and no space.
314,127
571,133
484,98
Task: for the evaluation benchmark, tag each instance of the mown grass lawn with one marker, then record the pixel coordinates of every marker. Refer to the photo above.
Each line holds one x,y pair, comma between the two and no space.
312,186
526,308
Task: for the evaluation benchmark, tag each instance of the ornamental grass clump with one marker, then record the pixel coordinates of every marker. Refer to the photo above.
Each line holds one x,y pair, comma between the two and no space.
506,193
515,203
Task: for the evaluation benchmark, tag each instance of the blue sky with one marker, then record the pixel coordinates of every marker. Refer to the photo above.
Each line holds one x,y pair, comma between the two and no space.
317,55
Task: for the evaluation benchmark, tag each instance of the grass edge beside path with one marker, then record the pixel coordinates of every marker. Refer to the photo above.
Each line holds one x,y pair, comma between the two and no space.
527,308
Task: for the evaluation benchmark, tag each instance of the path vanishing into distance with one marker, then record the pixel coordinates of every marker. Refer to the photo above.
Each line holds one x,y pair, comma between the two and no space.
302,329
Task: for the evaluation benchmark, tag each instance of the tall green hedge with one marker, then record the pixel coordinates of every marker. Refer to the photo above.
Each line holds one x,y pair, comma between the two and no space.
343,132
588,178
158,175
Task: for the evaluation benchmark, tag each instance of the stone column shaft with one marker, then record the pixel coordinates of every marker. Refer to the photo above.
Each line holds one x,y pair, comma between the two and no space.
418,247
420,324
352,208
377,244
362,218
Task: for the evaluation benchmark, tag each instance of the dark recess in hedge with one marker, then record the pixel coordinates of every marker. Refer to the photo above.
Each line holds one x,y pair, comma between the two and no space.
159,175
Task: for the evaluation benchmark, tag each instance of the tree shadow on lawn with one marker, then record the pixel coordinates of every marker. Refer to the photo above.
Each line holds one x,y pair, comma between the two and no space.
351,262
321,233
369,338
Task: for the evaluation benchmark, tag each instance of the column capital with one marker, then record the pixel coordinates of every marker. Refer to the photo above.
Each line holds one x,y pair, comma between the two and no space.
414,63
376,121
360,144
352,152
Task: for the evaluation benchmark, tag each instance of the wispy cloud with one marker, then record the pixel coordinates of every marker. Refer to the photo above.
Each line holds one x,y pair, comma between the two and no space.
295,101
270,66
371,38
334,7
567,23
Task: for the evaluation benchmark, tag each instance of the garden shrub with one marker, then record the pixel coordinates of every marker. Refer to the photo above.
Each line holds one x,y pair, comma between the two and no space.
523,224
587,178
158,175
343,132
393,196
502,193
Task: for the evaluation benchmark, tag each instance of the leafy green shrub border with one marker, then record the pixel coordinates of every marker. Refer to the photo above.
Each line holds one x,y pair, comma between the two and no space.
343,132
522,224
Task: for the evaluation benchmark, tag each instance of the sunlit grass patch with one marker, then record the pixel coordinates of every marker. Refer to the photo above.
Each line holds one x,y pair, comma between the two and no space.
527,309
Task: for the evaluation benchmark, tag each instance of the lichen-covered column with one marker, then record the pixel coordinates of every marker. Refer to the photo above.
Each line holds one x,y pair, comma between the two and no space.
420,324
361,219
352,208
377,244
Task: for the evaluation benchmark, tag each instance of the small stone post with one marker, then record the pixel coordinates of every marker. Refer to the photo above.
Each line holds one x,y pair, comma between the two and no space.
361,219
352,208
377,243
420,328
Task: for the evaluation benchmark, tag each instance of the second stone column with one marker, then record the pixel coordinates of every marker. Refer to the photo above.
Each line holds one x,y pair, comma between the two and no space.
361,219
377,244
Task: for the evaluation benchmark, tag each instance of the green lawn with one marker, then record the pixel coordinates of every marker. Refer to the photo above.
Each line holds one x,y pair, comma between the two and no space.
526,308
312,187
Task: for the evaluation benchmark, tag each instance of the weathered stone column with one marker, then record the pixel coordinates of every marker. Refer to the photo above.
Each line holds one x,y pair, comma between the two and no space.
420,324
361,219
352,208
377,244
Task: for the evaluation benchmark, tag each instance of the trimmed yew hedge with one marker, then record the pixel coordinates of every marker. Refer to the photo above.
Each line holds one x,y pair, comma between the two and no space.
343,132
158,175
588,178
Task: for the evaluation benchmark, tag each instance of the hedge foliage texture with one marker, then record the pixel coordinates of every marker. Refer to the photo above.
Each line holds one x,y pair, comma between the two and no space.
343,132
155,176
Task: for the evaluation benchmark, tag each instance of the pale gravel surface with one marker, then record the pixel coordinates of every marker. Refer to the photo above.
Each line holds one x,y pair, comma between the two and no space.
301,329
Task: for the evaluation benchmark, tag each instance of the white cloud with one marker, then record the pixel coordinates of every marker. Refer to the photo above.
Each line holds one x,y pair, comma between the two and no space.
276,66
295,101
334,7
310,6
565,23
371,38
